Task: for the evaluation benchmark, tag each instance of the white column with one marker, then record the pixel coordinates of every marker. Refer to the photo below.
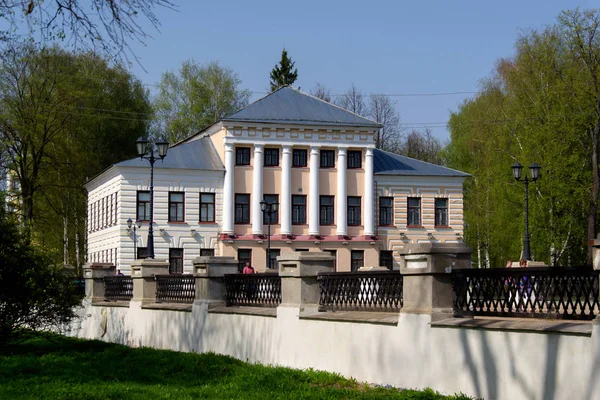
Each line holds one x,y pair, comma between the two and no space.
257,190
228,206
285,199
369,212
313,197
342,214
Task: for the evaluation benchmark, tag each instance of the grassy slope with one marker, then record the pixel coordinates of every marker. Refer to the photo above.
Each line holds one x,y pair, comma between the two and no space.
77,369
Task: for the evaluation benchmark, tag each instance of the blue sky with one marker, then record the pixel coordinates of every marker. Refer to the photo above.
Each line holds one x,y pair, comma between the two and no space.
391,47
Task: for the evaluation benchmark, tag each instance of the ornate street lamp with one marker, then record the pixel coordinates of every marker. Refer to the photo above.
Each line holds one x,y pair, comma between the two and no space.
534,170
146,150
136,226
268,210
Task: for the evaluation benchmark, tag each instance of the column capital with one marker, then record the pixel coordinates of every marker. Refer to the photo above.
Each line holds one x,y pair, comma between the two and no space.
258,147
369,151
228,145
286,148
342,150
314,149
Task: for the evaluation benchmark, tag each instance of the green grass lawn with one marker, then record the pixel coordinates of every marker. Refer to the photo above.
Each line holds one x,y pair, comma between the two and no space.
78,369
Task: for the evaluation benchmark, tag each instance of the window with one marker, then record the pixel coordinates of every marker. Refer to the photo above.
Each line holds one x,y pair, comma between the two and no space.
298,209
271,157
242,208
386,213
142,252
358,260
299,158
176,206
354,159
334,254
441,212
353,210
271,198
207,207
386,259
243,256
414,211
207,252
326,210
273,258
242,156
327,158
143,205
175,261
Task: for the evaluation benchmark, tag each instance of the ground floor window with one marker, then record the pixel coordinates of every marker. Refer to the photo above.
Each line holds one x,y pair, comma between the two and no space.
243,256
175,261
273,258
142,252
386,259
357,260
334,254
207,252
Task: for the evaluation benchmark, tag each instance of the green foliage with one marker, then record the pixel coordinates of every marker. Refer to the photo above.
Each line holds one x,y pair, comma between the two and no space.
196,97
283,73
76,369
34,294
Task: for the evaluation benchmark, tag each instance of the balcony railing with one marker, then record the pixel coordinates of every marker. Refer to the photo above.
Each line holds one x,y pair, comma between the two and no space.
360,291
175,288
545,292
118,288
257,290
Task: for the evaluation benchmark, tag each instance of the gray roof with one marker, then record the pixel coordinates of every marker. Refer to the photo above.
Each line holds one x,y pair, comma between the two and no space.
291,106
386,163
194,154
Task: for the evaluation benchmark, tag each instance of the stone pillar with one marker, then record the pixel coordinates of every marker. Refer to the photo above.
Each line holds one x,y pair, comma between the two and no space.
94,274
369,211
228,206
209,272
596,252
342,212
298,272
313,196
144,285
286,191
426,269
257,190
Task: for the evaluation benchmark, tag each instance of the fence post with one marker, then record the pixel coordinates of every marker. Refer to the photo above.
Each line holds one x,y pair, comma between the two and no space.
426,268
209,271
144,284
94,274
298,272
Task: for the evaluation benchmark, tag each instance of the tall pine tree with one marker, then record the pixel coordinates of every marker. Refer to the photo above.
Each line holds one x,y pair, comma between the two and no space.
282,74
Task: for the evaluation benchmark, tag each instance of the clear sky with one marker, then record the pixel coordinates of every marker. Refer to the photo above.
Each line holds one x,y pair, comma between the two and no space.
390,47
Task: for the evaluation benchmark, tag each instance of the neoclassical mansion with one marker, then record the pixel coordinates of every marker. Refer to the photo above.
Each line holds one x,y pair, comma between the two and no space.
336,192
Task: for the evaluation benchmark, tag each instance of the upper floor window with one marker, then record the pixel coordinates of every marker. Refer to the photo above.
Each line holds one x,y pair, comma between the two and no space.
353,210
242,156
176,206
207,207
386,214
143,205
326,207
441,212
327,158
298,209
299,158
242,208
271,198
354,159
271,157
414,211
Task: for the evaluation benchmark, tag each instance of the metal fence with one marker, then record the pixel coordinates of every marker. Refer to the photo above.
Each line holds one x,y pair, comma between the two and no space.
537,292
118,288
175,288
360,291
258,290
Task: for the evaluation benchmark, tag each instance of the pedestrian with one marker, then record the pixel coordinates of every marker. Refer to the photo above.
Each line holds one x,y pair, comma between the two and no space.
119,273
250,284
508,284
248,269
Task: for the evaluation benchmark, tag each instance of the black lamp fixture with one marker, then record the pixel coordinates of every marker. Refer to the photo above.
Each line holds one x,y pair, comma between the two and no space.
135,227
146,150
534,171
268,210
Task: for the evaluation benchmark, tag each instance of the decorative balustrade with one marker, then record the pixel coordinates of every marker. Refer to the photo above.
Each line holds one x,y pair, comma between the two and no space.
538,292
175,288
118,288
258,290
360,291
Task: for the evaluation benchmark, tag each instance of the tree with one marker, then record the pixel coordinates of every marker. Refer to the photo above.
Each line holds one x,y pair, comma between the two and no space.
283,73
422,146
383,110
103,25
198,96
322,92
353,100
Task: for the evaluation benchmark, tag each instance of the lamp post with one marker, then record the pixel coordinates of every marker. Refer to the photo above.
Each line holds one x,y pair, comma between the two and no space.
145,150
136,226
268,210
534,170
